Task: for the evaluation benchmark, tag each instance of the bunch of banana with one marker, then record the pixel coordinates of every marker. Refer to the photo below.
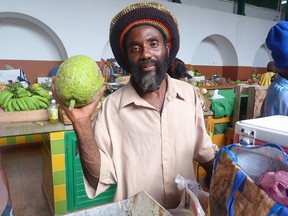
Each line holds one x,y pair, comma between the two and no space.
5,99
22,99
41,92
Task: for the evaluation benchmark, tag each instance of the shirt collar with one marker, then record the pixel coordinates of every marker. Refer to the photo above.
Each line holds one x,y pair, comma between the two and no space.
129,95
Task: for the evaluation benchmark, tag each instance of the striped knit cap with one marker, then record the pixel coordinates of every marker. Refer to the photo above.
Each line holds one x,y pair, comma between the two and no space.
143,13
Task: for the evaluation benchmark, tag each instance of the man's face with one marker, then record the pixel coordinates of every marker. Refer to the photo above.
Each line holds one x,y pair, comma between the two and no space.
148,57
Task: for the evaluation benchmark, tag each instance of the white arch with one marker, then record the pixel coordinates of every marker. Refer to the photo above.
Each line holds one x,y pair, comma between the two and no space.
23,21
262,56
215,50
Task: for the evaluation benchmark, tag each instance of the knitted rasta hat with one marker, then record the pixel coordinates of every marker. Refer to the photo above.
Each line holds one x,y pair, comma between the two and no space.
143,13
277,42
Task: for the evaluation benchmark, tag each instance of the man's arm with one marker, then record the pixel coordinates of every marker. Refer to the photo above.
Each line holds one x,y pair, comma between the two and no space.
89,151
208,166
82,125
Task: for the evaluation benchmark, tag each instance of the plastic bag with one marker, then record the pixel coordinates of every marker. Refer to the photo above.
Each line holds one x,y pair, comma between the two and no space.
216,95
15,75
193,198
276,185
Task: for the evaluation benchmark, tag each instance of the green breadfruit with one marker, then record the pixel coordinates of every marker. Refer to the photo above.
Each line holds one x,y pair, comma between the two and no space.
78,81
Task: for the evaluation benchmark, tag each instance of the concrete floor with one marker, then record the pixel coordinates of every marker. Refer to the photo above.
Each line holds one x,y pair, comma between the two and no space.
22,165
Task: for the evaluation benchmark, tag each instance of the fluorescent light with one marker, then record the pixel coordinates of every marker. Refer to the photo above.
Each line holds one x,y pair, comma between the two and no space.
283,2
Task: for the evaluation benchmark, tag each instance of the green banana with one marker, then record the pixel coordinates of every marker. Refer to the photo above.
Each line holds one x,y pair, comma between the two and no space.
7,99
3,95
29,103
43,93
9,106
24,104
42,104
35,102
15,105
22,92
20,104
40,98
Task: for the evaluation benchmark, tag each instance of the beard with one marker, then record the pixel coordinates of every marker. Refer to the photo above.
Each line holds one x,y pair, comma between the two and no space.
149,82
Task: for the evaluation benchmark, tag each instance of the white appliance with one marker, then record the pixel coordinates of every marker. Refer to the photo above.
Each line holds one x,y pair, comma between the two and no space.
271,129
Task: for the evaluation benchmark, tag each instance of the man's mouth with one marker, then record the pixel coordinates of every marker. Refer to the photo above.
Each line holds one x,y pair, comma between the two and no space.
148,67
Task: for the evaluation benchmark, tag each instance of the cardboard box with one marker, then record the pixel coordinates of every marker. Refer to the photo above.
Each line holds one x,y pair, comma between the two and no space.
199,78
139,204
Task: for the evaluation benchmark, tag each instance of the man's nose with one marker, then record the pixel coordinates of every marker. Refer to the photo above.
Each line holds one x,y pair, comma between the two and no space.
146,53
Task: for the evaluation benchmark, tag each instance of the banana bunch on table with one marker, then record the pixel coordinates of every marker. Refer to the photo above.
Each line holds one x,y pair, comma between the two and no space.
18,98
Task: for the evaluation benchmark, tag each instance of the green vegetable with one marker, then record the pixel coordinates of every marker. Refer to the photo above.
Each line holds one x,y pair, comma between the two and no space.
78,81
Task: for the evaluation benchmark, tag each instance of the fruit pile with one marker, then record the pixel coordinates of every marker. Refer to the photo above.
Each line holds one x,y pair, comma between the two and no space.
3,86
18,98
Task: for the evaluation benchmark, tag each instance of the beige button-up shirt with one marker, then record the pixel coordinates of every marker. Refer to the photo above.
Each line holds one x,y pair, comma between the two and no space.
142,150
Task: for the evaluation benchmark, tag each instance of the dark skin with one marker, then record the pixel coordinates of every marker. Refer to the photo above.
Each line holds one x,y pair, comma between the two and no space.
142,43
146,42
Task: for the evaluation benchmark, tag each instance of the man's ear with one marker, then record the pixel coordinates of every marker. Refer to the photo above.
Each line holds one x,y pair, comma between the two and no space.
168,48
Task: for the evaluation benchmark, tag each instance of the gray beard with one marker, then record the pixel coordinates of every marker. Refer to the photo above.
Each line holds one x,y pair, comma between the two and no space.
149,82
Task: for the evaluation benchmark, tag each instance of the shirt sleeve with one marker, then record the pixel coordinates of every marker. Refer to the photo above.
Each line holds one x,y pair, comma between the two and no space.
204,151
107,170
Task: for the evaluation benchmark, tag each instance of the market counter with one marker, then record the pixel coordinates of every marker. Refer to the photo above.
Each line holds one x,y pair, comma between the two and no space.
28,128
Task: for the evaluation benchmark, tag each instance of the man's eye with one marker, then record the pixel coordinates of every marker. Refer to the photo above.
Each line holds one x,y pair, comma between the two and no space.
135,48
154,44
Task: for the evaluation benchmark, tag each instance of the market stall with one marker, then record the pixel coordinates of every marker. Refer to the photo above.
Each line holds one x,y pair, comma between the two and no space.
62,173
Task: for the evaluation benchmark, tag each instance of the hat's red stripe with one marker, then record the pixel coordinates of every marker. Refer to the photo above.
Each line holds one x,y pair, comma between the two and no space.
144,21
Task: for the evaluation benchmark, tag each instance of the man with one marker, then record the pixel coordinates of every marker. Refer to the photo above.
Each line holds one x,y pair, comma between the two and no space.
265,79
276,101
151,129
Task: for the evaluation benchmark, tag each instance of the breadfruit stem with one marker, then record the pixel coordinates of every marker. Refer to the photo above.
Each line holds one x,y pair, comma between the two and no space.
72,104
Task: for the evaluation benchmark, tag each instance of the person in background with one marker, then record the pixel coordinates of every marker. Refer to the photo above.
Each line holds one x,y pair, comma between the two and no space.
5,199
266,78
276,100
139,140
177,69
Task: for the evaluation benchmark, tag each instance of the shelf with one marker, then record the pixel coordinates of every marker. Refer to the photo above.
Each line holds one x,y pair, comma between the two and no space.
218,87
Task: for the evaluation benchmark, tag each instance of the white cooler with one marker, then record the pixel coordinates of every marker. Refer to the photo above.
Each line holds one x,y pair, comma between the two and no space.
271,129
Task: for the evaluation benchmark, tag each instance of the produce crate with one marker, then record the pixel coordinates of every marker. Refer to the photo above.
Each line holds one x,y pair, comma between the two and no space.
24,116
63,117
65,120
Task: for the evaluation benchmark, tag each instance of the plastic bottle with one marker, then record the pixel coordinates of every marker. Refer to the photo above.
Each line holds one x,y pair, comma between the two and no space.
53,112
